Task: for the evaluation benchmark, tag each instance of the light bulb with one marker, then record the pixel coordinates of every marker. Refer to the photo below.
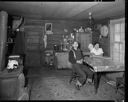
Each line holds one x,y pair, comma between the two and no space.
90,13
17,29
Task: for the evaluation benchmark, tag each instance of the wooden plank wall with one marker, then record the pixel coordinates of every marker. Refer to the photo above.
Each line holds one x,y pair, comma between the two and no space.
35,28
34,32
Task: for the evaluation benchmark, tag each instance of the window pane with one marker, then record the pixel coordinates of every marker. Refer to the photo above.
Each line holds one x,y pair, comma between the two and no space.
124,47
121,48
116,47
122,27
117,37
121,58
122,37
117,27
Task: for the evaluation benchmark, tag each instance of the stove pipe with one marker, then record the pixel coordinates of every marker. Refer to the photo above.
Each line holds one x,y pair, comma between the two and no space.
3,37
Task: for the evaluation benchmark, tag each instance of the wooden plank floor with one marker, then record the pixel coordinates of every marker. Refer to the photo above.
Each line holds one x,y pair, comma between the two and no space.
50,84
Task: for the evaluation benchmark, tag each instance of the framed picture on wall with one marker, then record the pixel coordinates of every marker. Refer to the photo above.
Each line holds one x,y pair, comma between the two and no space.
48,28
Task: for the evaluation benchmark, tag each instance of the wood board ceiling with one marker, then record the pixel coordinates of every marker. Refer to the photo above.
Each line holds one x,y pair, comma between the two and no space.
65,10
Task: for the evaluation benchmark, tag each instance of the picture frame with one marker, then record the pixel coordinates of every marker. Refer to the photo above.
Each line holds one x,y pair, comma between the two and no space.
48,27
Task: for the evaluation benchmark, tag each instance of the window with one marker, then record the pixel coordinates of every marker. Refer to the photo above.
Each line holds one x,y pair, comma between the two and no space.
117,40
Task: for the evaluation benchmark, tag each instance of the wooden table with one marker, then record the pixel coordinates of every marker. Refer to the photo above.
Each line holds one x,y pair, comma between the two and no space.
100,65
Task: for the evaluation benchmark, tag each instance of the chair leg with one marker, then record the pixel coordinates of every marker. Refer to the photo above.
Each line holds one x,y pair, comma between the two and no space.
70,80
117,86
93,78
73,77
85,81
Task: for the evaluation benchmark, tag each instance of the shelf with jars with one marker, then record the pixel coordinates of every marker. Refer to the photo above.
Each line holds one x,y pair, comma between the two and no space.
67,42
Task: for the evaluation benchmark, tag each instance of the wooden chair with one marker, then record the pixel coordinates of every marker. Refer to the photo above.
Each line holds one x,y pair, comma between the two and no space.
120,83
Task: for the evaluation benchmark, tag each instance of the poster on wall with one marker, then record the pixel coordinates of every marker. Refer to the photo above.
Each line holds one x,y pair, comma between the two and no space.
48,28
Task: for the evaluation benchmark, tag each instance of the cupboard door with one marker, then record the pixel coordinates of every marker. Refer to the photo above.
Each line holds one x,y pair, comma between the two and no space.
88,41
84,39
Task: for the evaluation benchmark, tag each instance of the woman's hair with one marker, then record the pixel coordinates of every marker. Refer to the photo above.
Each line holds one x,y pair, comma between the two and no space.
97,43
77,42
90,45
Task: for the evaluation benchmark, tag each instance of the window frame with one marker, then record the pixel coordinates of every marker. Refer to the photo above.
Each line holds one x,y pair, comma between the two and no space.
112,35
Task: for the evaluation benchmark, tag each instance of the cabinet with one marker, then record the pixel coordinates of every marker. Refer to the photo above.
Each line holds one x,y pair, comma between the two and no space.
84,38
62,60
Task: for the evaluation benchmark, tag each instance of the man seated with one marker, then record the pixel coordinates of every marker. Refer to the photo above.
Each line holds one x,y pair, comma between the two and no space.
76,58
97,51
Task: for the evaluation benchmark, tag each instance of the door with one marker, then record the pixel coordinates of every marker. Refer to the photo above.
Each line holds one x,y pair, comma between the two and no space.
34,45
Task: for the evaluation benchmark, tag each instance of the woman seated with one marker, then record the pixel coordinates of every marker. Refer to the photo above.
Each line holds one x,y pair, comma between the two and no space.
97,51
90,47
76,58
